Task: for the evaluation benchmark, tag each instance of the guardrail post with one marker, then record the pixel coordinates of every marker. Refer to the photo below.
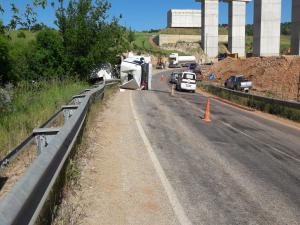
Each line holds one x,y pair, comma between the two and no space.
77,99
69,111
43,136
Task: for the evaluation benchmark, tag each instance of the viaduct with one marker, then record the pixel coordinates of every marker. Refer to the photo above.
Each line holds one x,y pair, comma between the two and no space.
267,20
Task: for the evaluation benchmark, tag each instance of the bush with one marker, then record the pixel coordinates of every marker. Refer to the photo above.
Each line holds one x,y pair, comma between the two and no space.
5,100
21,34
46,60
5,63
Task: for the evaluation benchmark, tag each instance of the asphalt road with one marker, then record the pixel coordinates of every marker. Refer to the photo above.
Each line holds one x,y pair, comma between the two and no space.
238,169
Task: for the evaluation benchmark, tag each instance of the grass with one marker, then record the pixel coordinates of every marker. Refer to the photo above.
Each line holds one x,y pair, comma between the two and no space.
142,43
190,31
33,104
285,43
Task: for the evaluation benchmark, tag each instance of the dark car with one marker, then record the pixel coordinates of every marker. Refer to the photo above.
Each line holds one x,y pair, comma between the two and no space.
239,83
193,66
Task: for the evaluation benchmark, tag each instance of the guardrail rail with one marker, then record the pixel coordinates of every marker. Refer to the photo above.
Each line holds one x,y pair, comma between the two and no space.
288,109
22,205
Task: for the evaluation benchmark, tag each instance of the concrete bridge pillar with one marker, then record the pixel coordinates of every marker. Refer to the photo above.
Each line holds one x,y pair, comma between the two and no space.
295,38
267,19
210,27
237,23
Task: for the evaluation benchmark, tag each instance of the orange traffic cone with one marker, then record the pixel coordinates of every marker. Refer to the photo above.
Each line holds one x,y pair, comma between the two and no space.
162,78
207,111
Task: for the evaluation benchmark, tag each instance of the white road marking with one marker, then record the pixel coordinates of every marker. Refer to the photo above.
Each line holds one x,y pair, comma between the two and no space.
270,146
177,207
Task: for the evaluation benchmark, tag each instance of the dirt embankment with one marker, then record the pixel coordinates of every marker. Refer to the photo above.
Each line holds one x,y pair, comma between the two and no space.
271,76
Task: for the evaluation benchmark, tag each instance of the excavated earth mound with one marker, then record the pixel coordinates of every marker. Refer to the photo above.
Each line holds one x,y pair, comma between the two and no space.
271,76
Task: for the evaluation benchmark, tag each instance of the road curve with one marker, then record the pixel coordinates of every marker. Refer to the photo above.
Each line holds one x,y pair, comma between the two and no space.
238,169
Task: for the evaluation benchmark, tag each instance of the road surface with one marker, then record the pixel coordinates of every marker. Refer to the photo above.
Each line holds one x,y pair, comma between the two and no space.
154,161
238,169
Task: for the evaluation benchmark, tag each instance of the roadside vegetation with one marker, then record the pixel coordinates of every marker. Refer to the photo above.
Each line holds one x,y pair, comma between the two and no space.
30,106
42,67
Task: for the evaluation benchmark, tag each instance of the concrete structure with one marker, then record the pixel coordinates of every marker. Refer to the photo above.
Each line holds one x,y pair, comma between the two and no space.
267,20
184,18
210,27
237,30
295,38
163,39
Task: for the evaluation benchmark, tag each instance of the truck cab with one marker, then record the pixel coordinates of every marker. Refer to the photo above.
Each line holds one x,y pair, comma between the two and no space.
186,81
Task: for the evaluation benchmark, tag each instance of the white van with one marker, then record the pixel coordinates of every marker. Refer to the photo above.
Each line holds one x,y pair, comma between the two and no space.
186,81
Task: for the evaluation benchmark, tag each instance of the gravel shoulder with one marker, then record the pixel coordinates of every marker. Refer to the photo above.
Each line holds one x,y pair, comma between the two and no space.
119,184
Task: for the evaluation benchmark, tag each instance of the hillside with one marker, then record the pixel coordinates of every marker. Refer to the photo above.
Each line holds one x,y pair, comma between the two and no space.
271,76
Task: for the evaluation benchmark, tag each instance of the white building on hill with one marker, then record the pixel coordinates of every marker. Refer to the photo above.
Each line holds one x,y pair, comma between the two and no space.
184,18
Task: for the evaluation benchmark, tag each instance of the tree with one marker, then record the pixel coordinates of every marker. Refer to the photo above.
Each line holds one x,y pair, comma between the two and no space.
88,38
5,63
46,59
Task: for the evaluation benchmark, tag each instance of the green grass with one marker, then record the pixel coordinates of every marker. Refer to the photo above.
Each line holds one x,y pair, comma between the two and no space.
190,31
284,43
142,43
182,31
31,106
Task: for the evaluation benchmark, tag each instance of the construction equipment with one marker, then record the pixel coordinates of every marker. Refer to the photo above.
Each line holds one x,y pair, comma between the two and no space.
160,64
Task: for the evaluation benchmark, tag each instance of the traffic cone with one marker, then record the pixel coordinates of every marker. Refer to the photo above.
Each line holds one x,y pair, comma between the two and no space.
207,111
162,78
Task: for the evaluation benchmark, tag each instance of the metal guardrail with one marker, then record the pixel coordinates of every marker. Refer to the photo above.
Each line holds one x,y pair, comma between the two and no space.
289,104
22,205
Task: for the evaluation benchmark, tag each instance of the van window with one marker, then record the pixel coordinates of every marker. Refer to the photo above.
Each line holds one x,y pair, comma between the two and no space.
189,76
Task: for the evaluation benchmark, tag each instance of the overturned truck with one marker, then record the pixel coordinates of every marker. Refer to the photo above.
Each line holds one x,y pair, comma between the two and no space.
136,73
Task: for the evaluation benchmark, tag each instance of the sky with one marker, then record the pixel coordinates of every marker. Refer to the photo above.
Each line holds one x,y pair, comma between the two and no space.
145,15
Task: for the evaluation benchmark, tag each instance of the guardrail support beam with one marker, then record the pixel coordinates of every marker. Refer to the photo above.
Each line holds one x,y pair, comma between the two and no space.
77,99
43,136
69,111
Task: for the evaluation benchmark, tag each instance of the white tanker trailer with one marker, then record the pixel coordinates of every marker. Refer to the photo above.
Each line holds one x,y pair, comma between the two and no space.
176,60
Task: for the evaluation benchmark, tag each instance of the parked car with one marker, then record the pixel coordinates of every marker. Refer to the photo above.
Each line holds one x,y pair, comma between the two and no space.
239,83
193,66
173,65
174,77
186,81
160,66
186,65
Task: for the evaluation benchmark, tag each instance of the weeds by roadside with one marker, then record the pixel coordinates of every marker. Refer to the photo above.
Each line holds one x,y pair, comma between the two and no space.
30,105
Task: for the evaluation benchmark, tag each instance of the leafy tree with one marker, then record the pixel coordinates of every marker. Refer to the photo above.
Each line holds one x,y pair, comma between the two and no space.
5,63
46,59
131,36
249,30
286,28
88,38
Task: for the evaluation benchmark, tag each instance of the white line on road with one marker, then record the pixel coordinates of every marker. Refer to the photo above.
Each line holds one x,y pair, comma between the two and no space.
253,138
177,207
